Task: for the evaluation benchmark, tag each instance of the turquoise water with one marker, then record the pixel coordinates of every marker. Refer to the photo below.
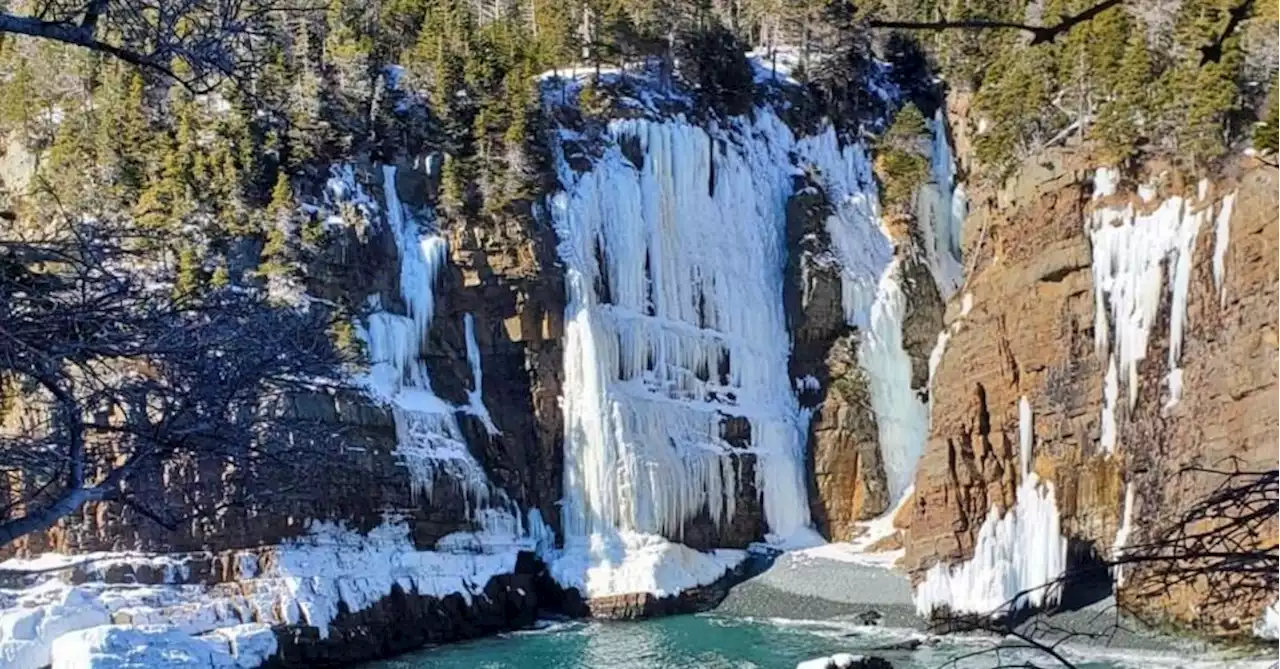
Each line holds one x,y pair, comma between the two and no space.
718,642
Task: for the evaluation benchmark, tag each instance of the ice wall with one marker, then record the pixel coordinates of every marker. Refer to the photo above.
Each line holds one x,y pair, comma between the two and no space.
1018,556
1139,255
675,323
429,439
941,208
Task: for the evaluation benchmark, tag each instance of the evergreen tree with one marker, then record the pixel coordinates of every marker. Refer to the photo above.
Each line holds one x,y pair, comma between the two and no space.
1121,119
1265,133
186,281
901,159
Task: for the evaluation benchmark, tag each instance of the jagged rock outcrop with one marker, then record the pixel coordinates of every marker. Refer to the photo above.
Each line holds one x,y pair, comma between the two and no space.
847,476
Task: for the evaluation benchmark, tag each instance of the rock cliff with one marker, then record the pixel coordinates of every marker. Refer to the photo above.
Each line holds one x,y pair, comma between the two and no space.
1024,326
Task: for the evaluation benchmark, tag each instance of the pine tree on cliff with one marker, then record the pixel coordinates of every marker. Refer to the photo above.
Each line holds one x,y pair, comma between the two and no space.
900,164
1265,137
1122,119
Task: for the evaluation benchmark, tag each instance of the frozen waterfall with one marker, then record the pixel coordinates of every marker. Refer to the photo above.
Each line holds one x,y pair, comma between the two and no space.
429,440
674,325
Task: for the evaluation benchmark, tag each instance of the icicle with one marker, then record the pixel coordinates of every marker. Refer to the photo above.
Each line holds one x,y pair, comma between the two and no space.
1130,251
475,396
1026,435
1221,238
1110,393
1123,532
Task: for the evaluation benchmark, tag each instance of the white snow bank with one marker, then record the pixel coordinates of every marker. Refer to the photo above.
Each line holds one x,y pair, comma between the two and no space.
1267,626
1017,557
29,628
857,551
627,562
174,568
303,581
160,646
333,565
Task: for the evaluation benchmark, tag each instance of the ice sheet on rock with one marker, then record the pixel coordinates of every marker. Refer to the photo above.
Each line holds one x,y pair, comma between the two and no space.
674,324
1267,626
475,396
627,562
429,440
941,207
1132,251
1017,558
902,415
1221,238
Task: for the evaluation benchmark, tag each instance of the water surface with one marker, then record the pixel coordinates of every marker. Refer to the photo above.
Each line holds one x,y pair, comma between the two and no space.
723,642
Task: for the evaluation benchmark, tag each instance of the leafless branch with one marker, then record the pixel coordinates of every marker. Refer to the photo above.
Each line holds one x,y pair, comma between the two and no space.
1040,34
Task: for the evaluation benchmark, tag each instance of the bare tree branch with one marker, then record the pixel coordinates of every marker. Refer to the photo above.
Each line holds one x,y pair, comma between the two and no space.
1040,34
122,376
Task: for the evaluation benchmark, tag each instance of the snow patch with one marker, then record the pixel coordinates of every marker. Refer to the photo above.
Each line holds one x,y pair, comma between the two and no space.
837,661
1267,626
605,564
125,646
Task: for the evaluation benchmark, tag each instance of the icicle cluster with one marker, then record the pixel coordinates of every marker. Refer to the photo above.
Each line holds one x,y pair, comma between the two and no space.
1018,555
674,323
428,437
1132,251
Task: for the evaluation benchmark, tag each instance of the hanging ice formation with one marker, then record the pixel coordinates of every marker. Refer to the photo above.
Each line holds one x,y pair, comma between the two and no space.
1132,250
674,324
429,440
902,415
675,321
1018,556
941,207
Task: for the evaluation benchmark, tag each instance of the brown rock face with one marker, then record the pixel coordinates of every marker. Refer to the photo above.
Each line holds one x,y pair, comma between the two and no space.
502,273
847,478
1030,334
1227,417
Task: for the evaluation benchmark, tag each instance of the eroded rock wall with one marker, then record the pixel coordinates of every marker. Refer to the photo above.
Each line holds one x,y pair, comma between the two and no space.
1028,331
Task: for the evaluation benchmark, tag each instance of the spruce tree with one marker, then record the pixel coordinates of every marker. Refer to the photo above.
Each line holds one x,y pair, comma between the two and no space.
1265,133
186,282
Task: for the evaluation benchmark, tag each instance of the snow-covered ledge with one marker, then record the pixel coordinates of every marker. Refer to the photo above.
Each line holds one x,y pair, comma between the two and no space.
302,582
